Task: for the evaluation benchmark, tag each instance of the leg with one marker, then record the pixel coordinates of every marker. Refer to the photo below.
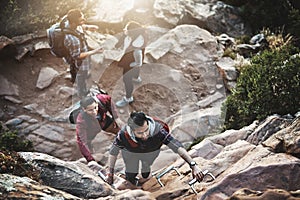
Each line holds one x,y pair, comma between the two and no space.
136,72
73,72
81,82
131,165
147,161
127,79
128,74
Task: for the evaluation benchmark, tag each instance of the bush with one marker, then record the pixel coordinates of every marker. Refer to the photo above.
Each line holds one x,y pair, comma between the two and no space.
270,85
9,140
10,161
274,14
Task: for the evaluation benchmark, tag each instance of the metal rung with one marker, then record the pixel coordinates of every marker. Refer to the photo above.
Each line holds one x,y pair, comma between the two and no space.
165,172
101,175
205,172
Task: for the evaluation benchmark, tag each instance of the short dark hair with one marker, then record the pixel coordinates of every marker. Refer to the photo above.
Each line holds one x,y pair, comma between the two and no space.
74,15
86,101
136,119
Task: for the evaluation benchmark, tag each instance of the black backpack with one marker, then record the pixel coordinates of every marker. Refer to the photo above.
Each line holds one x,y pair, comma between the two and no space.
56,36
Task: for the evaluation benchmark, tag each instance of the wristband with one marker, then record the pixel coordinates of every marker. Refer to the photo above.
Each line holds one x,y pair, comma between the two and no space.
111,170
192,164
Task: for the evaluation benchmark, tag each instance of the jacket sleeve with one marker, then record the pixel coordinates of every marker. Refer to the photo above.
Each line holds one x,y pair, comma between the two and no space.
170,141
81,132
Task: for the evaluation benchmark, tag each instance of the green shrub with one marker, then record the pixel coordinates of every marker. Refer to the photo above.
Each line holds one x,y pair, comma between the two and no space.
293,23
270,85
273,14
9,140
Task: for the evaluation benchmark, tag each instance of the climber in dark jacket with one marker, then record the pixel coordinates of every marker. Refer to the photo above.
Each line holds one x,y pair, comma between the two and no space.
141,140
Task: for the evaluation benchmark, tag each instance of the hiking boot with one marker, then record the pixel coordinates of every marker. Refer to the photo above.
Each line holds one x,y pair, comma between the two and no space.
127,185
124,101
137,80
143,180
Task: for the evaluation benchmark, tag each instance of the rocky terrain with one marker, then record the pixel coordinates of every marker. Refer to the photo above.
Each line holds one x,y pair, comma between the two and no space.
185,80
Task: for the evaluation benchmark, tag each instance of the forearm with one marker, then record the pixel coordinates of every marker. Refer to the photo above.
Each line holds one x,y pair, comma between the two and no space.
111,163
119,122
90,27
138,57
196,171
88,53
85,151
184,155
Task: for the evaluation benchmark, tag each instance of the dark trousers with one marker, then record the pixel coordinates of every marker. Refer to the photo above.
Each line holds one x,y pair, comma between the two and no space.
73,72
128,74
81,82
131,161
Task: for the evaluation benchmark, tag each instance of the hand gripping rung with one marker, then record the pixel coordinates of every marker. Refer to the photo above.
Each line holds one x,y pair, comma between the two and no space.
205,172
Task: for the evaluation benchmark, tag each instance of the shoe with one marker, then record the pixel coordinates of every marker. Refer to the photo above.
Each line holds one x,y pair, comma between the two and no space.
137,80
124,101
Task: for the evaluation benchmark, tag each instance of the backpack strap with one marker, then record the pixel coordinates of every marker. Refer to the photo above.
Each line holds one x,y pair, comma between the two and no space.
76,34
67,30
165,125
98,101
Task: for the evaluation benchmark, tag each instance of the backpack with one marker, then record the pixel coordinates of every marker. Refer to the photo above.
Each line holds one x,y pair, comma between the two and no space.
93,93
56,36
164,125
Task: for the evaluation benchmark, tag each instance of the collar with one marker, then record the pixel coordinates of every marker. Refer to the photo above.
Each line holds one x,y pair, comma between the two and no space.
151,125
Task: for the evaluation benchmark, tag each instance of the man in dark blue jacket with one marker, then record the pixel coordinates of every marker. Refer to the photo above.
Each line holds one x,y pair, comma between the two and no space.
141,140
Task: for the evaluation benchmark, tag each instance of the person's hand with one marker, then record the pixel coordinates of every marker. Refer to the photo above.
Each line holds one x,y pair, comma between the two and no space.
197,173
93,165
120,123
110,178
91,27
99,50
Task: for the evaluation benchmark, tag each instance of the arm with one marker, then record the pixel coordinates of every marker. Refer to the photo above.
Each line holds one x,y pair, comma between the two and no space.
109,104
177,147
111,164
89,27
138,58
113,154
120,123
81,132
89,53
196,171
73,44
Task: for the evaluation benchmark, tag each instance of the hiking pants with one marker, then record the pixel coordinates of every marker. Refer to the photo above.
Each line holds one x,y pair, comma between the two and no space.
128,74
81,78
131,161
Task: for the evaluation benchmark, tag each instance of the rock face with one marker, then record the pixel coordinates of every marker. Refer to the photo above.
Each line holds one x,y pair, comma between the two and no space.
241,169
186,58
14,187
74,178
